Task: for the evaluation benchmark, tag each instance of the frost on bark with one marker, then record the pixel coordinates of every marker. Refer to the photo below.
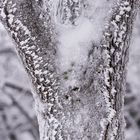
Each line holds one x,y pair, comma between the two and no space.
75,52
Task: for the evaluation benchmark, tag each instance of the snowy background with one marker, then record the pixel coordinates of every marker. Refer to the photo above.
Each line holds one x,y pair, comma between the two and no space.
17,117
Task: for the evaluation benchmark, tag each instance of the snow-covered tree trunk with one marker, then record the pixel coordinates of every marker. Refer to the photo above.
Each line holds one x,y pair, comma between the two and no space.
75,52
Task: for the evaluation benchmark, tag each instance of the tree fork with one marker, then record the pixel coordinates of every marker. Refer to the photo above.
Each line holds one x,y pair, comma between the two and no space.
92,108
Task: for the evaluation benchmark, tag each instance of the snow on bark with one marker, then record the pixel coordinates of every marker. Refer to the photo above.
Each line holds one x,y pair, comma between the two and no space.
78,83
78,34
115,44
38,56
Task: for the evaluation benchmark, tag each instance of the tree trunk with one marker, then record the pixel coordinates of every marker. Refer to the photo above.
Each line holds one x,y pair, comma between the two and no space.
75,53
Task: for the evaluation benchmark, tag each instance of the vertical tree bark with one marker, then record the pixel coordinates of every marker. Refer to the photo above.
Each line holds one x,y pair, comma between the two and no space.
82,101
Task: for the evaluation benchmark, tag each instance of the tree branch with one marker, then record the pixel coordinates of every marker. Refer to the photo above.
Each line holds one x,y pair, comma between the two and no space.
33,32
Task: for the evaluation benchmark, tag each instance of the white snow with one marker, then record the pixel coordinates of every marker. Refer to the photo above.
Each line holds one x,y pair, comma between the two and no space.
20,25
76,41
106,76
24,42
3,14
118,17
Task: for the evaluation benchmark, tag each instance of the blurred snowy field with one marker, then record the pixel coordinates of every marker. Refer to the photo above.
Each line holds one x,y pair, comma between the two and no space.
17,117
132,98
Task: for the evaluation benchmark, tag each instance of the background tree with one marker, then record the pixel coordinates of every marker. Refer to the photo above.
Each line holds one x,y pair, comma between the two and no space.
78,77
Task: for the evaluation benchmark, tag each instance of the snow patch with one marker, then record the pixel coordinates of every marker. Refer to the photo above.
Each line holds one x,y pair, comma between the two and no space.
75,43
3,14
76,40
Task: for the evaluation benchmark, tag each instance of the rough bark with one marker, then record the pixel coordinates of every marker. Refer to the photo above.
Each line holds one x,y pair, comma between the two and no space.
92,108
